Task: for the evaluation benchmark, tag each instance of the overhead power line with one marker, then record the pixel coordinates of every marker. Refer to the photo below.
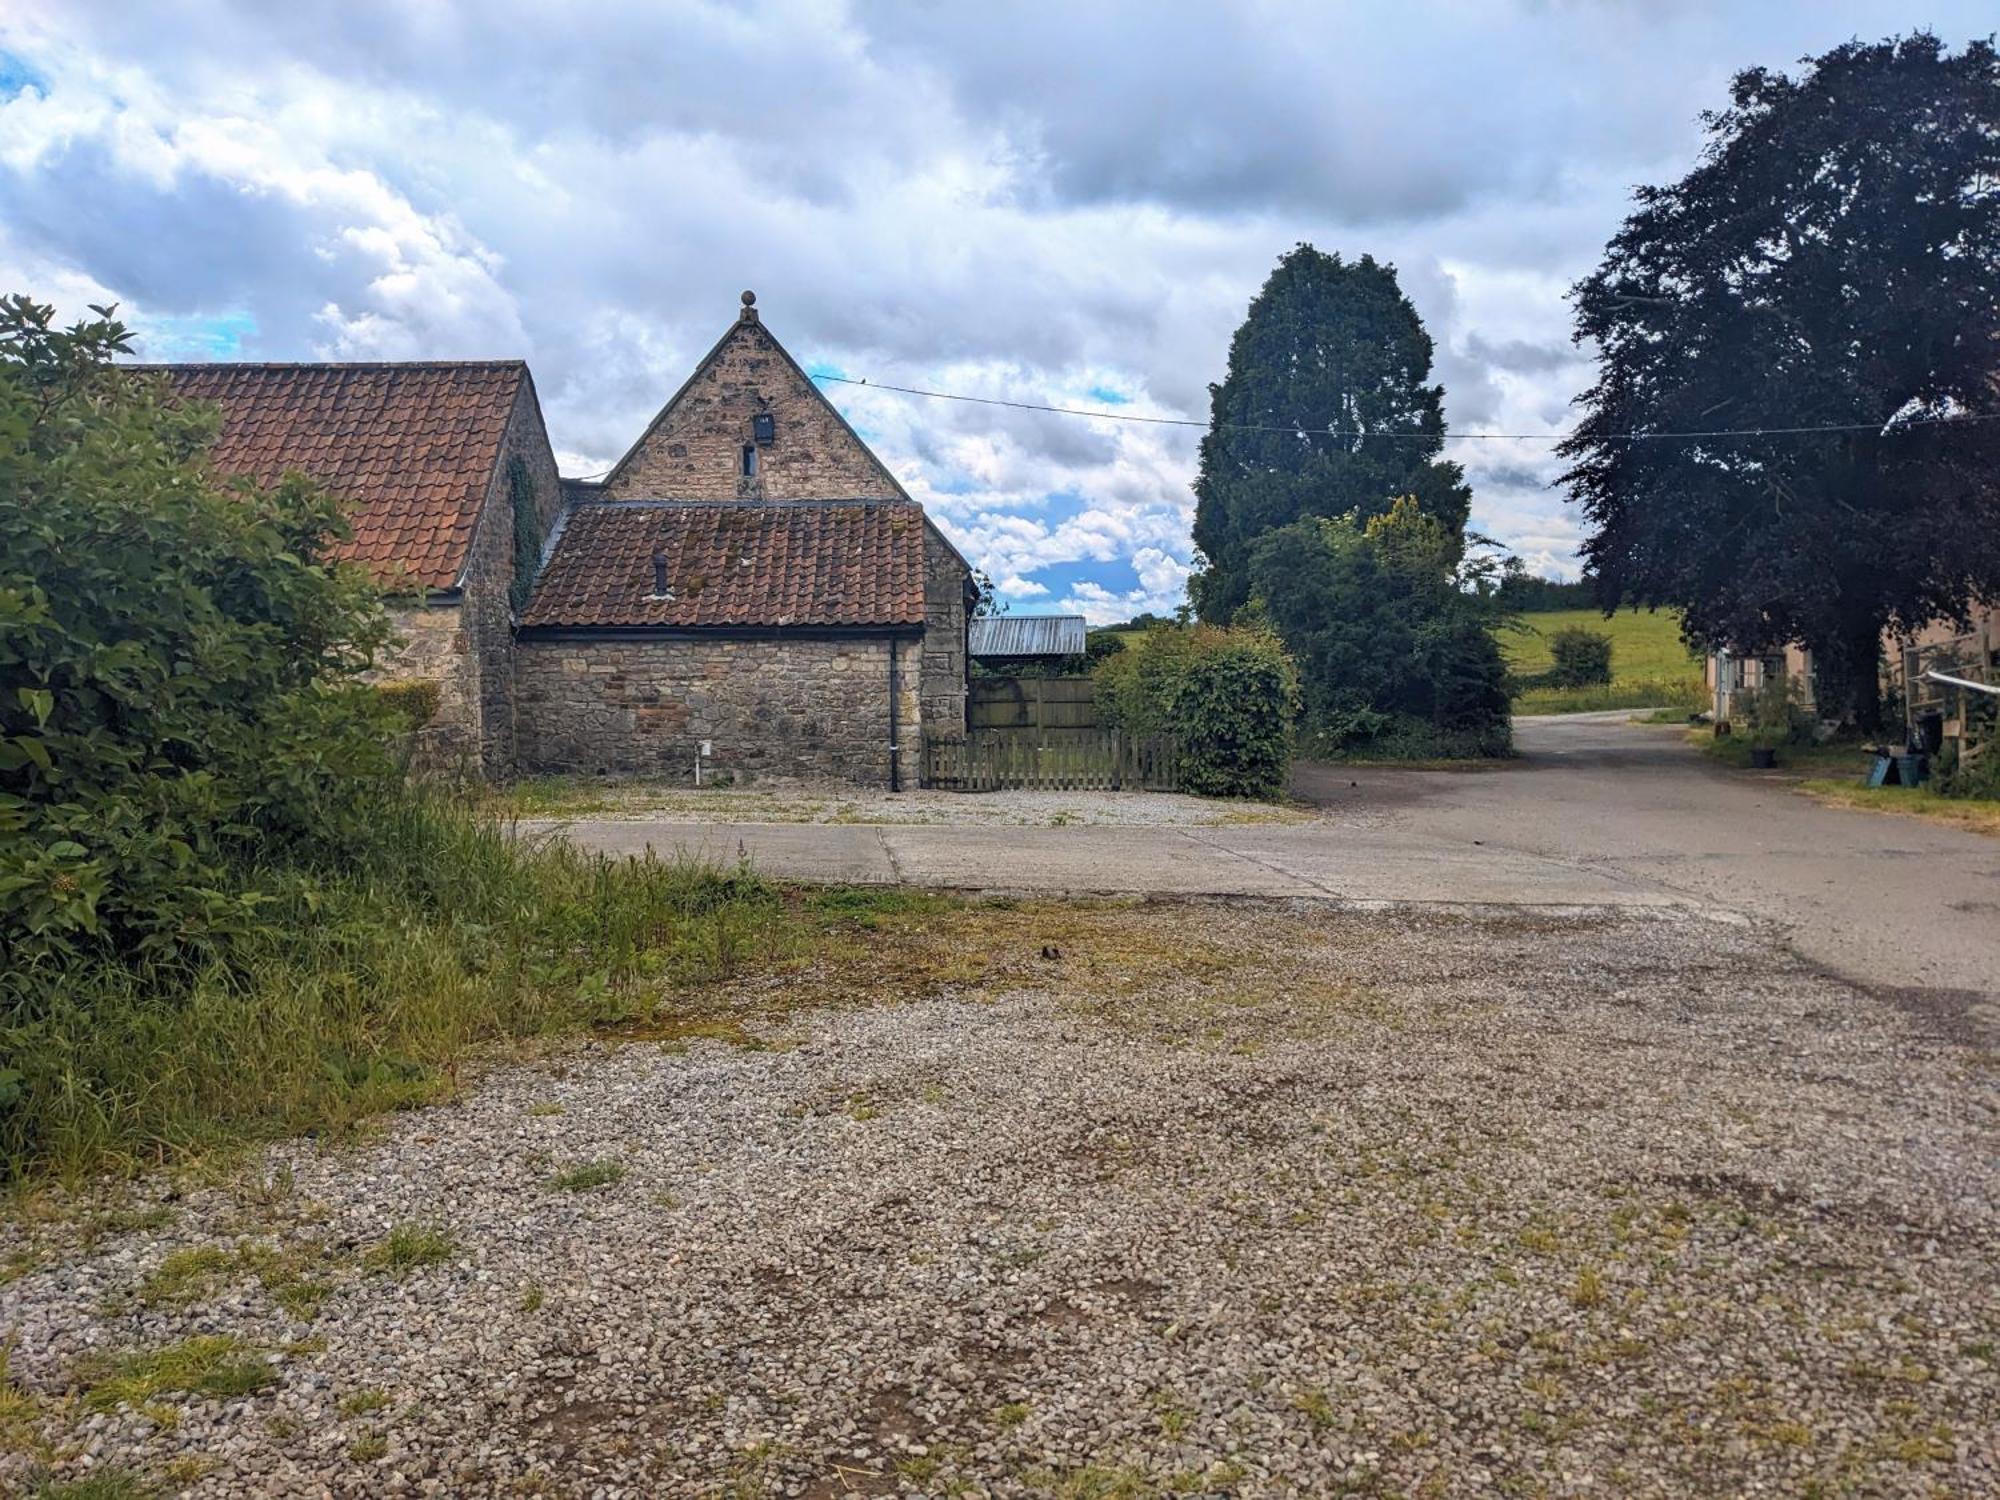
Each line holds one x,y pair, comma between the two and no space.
1521,437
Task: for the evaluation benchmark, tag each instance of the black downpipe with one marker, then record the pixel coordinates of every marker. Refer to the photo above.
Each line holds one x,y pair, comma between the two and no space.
895,752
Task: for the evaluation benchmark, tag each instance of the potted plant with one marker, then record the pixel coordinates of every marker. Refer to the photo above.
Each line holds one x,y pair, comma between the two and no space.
1774,720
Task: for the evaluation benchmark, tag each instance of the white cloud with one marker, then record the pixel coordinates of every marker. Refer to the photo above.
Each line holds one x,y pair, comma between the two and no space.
1034,203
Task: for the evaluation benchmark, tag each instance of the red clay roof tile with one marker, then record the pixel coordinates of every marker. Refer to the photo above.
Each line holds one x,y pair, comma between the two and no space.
741,563
410,448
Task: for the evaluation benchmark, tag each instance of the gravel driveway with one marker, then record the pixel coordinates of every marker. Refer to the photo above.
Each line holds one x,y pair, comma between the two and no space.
1246,1199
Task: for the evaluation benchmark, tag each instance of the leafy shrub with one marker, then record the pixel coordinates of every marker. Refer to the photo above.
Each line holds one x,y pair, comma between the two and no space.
223,911
1582,658
1958,776
1392,634
182,663
1777,715
1228,695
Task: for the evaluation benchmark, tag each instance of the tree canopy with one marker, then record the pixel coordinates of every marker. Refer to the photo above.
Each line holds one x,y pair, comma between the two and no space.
1831,262
1326,410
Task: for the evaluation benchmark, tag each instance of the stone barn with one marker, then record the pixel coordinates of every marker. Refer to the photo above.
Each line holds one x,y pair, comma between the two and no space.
749,578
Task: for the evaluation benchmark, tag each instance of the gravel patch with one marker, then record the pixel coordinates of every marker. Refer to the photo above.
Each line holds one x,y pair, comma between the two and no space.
1251,1199
806,802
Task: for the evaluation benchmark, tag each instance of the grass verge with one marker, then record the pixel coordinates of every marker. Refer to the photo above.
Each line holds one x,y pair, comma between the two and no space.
1833,759
364,987
1980,814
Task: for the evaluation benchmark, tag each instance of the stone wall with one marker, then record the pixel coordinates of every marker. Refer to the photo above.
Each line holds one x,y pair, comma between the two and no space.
694,450
431,645
946,581
791,706
466,646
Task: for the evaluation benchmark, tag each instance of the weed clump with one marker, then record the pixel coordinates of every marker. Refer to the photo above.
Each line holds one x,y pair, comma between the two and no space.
588,1177
408,1247
218,1364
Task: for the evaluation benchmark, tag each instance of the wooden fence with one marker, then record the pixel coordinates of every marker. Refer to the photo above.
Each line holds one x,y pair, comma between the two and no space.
1056,760
1032,703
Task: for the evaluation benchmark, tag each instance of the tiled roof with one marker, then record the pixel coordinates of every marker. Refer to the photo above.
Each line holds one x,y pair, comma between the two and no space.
410,448
741,563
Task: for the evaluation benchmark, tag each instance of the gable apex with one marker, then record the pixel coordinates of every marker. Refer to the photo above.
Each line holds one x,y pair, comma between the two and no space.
749,424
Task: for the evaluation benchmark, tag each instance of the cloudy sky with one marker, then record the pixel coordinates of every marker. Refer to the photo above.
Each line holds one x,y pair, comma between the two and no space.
1065,204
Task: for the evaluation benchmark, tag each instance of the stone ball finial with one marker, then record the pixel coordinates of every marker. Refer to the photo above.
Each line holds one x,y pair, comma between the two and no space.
749,299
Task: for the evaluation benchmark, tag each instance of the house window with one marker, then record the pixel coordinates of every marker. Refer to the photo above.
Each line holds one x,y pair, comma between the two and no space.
749,460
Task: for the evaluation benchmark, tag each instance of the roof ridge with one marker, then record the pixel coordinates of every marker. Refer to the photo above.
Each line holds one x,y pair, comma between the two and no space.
324,364
664,502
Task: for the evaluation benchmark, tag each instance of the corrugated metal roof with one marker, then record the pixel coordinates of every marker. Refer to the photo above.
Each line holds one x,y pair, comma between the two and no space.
1027,635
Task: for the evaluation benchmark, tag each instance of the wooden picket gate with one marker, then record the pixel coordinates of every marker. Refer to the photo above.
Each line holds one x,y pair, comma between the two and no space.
1055,760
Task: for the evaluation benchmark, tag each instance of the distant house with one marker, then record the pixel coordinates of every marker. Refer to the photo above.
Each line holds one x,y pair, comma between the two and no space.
1972,653
749,586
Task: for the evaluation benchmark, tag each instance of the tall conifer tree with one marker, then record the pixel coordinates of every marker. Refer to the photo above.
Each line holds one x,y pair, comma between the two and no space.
1327,409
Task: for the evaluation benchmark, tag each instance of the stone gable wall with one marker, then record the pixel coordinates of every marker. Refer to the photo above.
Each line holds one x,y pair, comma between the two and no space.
695,449
466,647
775,707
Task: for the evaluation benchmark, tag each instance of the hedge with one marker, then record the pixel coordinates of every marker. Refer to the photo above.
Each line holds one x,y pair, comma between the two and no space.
1229,696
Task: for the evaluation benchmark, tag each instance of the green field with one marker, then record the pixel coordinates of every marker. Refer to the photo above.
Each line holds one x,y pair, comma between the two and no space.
1650,668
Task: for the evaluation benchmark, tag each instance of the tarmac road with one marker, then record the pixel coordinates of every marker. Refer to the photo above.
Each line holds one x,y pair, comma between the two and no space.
1598,811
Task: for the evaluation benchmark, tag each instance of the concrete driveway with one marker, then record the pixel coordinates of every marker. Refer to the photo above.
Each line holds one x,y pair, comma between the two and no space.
1598,811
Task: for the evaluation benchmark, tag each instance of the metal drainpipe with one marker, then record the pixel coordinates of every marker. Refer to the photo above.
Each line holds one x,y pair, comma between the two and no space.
895,762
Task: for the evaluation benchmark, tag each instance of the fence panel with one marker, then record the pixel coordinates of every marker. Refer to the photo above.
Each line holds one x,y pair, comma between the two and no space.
1032,703
1064,760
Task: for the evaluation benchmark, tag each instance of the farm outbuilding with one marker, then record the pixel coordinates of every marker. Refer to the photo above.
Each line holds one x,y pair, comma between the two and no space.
1005,639
749,589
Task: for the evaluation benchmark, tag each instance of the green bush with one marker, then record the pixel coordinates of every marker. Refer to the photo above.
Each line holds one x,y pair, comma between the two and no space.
1978,777
1229,696
1777,715
1392,635
1582,658
182,666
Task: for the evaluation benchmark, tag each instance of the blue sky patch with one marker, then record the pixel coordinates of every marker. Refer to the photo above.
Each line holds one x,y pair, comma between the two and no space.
1059,578
1108,396
177,336
17,75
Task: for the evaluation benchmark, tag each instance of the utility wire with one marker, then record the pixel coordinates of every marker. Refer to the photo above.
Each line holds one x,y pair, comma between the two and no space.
1530,437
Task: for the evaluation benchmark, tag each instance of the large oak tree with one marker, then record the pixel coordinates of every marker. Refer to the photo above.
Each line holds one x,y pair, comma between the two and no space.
1832,262
1327,409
